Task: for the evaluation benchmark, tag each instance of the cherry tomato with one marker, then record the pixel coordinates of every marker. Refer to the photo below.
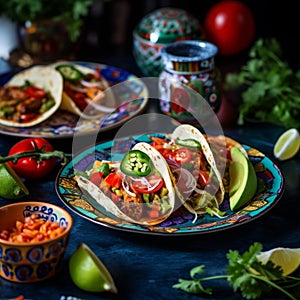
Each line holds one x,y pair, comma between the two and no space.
182,155
30,167
154,180
230,25
35,92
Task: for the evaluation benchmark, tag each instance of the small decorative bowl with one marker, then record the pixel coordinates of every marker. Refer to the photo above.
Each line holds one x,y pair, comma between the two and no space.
159,28
32,261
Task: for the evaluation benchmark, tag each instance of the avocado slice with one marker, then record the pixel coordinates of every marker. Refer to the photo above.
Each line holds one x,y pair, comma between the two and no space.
242,179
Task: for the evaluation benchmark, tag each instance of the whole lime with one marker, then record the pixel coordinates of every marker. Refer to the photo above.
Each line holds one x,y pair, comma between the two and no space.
88,272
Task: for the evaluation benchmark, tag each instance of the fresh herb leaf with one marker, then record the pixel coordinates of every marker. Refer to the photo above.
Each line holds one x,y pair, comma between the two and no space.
270,88
70,11
245,274
193,286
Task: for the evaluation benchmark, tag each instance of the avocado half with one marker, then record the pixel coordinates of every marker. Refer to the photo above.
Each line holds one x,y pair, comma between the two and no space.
243,180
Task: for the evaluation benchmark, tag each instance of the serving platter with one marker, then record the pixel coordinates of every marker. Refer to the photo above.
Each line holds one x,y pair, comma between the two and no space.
132,96
181,222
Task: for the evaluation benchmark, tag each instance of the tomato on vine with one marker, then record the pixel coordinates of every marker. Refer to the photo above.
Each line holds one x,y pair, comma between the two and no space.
32,158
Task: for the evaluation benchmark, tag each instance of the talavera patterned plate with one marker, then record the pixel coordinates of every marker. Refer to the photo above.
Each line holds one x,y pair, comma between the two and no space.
132,96
181,222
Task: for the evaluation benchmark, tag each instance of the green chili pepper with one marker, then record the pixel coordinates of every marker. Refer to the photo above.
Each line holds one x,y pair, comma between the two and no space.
69,72
188,143
136,163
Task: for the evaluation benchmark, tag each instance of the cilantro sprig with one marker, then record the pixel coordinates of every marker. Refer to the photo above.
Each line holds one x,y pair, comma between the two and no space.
270,87
245,274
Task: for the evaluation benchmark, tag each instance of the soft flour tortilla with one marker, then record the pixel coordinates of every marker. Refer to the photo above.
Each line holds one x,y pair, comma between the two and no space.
159,163
187,131
69,105
43,77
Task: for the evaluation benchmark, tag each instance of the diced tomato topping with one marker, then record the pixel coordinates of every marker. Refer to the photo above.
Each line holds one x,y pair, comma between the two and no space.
27,117
35,92
78,98
96,178
153,214
114,180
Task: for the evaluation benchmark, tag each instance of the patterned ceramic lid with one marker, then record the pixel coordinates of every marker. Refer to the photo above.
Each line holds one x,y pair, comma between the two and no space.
167,25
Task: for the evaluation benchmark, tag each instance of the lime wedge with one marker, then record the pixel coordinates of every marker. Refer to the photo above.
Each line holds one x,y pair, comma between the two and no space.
88,272
287,258
11,187
287,145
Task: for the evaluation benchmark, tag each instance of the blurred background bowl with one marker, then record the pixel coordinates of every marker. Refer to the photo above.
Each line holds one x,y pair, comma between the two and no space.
159,28
32,262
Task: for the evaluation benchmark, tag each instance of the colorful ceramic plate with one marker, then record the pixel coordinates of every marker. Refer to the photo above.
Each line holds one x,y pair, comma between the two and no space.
132,96
181,221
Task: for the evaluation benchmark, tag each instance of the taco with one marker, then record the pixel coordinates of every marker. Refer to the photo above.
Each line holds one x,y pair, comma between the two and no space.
137,189
85,92
30,97
195,174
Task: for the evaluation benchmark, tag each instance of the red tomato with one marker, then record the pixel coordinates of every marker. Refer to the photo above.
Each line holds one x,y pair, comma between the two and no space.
154,180
30,167
114,180
230,25
96,178
35,92
27,117
182,155
203,178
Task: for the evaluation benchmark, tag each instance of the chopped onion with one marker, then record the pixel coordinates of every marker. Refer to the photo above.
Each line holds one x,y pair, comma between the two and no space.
151,188
199,191
195,218
100,107
190,181
173,163
125,186
91,84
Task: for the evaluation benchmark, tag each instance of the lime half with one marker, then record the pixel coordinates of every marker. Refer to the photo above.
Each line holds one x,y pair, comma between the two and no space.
88,272
11,186
287,145
287,258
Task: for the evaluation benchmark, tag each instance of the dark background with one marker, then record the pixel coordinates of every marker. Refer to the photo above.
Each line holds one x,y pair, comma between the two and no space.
108,29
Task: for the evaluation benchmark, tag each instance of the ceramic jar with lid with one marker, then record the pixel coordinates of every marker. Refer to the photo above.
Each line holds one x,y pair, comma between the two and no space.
189,78
160,28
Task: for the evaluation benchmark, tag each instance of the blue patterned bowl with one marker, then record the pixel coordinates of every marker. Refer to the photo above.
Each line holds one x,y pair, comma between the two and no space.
32,262
159,28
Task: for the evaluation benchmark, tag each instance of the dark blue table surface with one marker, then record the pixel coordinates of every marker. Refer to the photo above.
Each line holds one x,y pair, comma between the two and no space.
145,267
